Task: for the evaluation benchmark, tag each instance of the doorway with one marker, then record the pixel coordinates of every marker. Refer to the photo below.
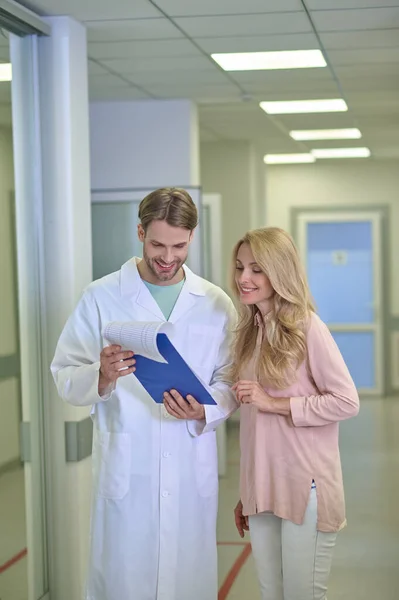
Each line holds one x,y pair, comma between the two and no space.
342,253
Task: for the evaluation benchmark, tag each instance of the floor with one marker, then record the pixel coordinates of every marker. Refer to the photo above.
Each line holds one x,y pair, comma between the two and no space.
366,564
366,561
13,563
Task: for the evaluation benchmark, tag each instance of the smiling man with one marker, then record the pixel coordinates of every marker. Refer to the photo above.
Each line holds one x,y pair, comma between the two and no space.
155,466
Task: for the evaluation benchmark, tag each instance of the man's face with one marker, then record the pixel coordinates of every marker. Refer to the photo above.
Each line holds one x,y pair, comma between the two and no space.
165,249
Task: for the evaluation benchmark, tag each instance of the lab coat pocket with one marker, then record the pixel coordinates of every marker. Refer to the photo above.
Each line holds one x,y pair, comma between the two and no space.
203,344
111,463
207,464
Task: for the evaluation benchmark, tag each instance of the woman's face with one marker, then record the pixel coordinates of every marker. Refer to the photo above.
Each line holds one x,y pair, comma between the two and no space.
253,285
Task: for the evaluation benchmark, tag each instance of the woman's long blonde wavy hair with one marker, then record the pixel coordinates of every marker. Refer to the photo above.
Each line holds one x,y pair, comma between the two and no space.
284,342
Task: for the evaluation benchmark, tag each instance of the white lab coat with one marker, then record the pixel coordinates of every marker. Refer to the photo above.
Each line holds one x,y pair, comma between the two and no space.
155,478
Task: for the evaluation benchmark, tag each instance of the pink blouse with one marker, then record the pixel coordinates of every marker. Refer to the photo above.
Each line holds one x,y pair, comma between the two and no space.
280,456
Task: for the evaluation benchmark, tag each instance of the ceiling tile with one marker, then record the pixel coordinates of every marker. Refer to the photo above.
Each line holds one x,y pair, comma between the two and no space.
191,77
281,146
106,80
97,94
367,70
144,49
389,110
246,25
232,113
367,84
317,121
197,92
364,56
124,30
275,78
226,7
347,4
356,20
96,9
379,100
134,38
380,133
260,43
233,109
95,69
386,153
290,91
137,65
314,144
240,121
379,124
383,38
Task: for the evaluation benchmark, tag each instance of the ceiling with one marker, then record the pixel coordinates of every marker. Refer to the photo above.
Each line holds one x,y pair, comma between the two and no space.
142,49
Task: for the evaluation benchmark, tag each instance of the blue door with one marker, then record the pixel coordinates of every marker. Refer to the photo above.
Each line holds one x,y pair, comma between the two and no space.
341,255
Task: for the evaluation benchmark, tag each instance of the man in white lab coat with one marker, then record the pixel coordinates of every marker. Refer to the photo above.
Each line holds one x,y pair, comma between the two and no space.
155,476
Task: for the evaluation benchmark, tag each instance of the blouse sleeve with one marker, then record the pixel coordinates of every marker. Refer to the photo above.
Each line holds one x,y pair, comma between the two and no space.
337,398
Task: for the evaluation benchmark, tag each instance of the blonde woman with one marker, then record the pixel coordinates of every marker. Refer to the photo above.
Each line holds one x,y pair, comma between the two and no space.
294,388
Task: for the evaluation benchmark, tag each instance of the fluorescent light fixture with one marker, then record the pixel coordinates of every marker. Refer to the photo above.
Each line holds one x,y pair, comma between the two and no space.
304,106
259,61
284,159
5,72
326,134
341,153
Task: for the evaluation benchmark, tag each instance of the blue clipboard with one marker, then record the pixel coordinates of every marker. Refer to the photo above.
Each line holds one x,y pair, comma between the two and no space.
158,378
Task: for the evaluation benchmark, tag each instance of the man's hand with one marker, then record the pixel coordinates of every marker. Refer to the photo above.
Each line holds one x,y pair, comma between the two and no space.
241,521
180,408
114,364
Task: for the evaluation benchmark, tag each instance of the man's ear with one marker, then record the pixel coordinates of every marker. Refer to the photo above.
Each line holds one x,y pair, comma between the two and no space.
140,232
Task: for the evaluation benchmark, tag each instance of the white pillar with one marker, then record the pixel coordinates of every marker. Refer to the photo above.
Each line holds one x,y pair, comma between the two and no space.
144,144
68,269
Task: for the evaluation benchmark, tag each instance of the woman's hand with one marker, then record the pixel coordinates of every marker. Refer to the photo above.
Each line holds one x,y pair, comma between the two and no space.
241,521
251,392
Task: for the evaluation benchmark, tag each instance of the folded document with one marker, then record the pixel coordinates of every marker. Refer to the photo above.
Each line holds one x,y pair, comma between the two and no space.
159,366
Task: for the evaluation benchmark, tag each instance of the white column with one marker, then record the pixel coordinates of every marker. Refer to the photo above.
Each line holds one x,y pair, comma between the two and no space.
144,144
68,269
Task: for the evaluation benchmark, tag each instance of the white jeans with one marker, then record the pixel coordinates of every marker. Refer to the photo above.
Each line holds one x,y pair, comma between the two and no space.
293,561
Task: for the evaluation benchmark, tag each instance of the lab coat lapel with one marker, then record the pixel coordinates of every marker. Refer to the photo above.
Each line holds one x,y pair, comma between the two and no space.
192,290
135,291
146,300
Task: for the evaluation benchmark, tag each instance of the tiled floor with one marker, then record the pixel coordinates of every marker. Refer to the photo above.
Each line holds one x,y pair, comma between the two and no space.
13,580
366,565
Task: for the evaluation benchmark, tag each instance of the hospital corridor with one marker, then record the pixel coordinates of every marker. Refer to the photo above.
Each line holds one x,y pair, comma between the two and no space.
199,300
365,560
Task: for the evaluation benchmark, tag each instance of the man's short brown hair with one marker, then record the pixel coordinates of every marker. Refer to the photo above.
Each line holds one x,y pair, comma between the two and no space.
173,205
